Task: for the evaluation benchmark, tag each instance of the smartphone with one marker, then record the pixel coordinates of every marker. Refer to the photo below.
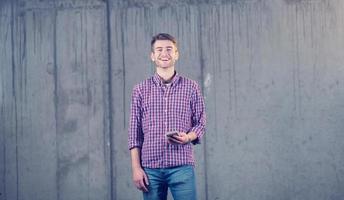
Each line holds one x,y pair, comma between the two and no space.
171,133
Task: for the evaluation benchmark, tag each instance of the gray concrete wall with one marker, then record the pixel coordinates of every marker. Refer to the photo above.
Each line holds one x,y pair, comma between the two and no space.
271,72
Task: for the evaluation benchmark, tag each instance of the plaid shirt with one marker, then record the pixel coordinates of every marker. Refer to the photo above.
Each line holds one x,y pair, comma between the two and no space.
157,108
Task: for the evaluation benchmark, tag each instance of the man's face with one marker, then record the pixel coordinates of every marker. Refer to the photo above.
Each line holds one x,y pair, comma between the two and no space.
164,54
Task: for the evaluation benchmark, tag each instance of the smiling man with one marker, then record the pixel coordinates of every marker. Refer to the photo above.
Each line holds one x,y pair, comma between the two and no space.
167,117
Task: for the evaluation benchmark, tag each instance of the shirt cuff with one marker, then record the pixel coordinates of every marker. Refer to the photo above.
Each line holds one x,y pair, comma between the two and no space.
199,133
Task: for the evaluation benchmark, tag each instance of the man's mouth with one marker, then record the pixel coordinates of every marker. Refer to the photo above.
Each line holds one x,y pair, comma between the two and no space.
165,59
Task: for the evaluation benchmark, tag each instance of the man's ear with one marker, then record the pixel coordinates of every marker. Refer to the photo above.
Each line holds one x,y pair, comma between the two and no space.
152,56
177,54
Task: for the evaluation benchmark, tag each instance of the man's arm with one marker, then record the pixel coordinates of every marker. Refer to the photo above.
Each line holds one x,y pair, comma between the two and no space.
198,121
140,178
135,136
198,115
135,141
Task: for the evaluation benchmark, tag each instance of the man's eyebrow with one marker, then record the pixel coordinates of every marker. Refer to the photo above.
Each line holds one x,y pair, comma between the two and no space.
164,47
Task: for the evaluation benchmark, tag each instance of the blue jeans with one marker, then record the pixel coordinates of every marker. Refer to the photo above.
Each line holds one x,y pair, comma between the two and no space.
180,180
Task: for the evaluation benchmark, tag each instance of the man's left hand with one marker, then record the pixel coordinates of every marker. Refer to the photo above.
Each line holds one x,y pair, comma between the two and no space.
181,138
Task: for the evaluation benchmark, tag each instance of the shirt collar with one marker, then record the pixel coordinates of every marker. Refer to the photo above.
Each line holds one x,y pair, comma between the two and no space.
158,80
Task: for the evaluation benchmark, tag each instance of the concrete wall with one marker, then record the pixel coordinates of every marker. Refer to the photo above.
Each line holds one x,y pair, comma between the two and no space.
271,71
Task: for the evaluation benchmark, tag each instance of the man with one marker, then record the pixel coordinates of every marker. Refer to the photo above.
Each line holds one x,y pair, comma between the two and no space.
163,103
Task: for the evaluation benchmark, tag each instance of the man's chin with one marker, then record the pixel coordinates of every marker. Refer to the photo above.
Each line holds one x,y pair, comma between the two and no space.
165,66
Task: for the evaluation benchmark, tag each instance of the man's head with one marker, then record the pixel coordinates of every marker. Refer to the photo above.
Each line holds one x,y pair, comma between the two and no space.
163,36
164,50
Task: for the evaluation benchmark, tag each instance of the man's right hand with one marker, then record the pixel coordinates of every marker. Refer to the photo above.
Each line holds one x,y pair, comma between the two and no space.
140,179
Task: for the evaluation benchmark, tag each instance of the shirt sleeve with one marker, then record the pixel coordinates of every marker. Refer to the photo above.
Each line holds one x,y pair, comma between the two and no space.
135,135
198,114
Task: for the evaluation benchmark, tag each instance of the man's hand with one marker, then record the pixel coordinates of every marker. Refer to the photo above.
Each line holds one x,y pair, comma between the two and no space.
140,179
181,138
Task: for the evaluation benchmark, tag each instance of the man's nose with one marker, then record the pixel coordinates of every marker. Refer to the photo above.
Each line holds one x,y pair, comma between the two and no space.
164,53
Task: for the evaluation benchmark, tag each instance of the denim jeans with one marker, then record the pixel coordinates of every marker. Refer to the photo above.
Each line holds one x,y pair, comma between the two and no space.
180,180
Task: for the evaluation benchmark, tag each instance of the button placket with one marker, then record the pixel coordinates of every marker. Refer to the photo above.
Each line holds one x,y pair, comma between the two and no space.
165,118
165,108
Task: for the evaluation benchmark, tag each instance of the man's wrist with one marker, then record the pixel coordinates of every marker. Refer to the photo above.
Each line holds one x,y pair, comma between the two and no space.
189,139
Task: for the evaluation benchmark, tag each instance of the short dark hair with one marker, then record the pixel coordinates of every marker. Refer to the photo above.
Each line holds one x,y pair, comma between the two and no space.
163,36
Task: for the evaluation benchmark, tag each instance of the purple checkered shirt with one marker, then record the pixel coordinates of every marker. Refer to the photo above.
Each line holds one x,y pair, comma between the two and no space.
157,108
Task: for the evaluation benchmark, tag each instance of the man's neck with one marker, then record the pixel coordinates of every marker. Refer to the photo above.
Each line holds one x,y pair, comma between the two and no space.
165,73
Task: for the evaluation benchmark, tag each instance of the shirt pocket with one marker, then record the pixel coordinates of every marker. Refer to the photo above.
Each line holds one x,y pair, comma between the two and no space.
181,109
152,110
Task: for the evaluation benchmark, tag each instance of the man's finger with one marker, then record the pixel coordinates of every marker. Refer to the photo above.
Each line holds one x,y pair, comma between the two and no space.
143,186
179,139
145,179
174,140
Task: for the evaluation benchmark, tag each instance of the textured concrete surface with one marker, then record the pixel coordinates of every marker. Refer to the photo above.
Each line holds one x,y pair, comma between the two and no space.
271,72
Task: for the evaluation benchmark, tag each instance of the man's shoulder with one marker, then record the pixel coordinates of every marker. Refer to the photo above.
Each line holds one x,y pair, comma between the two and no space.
188,81
144,83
